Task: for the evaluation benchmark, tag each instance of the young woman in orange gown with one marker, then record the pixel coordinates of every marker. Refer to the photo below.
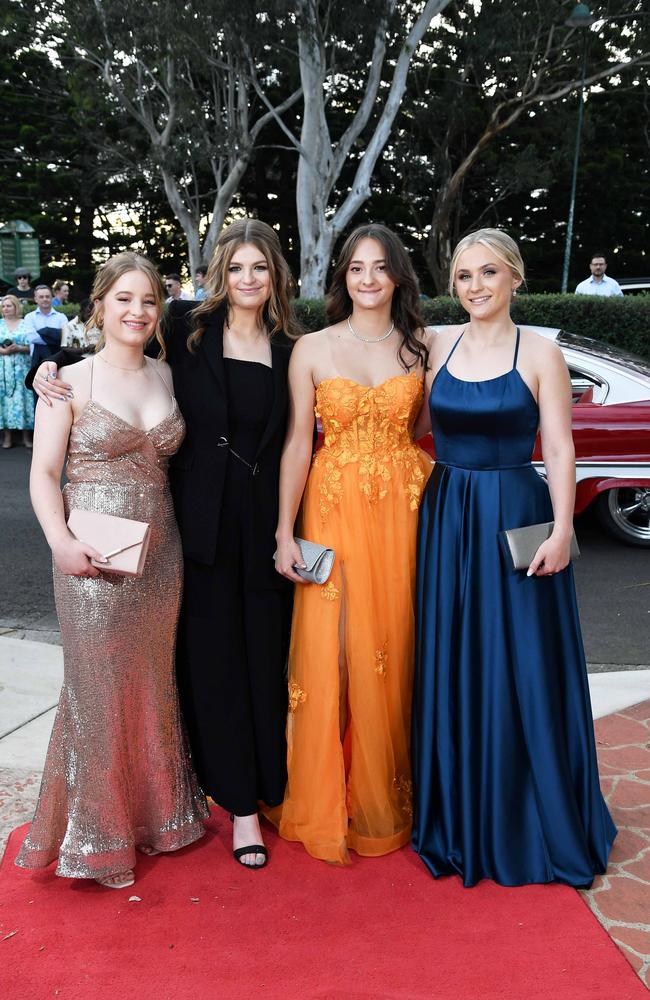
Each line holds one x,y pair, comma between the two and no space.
351,658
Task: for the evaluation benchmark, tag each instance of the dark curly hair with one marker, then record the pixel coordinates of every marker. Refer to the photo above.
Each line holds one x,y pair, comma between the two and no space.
405,305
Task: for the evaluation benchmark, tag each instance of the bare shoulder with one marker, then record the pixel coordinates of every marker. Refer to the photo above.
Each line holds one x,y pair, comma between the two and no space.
163,369
310,346
77,375
441,339
544,352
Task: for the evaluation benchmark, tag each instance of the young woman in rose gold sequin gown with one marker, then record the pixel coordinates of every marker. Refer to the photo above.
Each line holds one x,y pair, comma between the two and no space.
118,776
352,640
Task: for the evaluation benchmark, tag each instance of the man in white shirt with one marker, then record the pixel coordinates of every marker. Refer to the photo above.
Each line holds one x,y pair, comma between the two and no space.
599,283
174,289
44,325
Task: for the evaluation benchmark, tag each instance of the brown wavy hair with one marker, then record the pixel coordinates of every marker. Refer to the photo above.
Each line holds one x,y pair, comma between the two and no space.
112,271
277,314
405,306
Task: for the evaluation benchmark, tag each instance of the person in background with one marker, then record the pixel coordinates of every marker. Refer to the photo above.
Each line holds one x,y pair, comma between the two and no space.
77,333
61,292
174,288
599,283
44,326
16,402
118,778
199,282
22,289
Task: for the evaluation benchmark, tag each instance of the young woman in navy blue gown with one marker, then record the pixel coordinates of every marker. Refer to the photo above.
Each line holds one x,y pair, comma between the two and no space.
504,762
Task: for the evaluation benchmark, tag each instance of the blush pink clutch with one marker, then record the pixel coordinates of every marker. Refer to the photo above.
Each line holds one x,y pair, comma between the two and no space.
124,542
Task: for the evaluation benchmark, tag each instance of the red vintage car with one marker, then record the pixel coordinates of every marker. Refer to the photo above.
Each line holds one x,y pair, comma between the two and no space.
611,431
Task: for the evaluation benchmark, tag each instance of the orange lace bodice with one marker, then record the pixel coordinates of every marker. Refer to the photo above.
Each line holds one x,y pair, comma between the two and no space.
370,428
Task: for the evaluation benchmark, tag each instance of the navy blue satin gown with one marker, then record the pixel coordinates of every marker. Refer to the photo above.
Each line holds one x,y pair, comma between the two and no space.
504,762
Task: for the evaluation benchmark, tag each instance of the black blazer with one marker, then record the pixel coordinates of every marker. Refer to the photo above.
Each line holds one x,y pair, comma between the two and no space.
198,470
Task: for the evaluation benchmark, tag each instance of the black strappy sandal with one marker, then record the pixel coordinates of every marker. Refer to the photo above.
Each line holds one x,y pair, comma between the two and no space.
251,849
239,853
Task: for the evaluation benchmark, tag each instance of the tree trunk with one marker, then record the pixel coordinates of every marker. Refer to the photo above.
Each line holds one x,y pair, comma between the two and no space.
320,164
315,257
438,249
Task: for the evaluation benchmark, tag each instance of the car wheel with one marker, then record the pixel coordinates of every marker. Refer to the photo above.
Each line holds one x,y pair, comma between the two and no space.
625,513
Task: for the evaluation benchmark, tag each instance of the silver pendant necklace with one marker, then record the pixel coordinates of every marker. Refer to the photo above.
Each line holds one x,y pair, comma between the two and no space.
370,340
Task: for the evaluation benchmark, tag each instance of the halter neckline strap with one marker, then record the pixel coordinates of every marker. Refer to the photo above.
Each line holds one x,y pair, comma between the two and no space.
458,340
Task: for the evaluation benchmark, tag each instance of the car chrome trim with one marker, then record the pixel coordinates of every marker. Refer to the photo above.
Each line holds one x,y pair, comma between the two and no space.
615,470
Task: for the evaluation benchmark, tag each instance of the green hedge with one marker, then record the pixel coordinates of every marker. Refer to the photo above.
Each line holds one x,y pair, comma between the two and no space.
621,321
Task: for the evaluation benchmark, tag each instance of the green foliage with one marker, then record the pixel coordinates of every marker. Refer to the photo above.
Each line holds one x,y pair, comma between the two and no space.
624,322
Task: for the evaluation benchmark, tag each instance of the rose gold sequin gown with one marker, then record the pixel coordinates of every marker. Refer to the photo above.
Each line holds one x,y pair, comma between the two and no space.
118,772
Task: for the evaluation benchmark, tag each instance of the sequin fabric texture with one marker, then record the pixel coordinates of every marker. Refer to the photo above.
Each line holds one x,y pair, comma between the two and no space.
118,771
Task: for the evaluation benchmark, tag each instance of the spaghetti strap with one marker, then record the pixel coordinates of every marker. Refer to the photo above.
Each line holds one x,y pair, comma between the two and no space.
514,361
155,368
92,363
454,348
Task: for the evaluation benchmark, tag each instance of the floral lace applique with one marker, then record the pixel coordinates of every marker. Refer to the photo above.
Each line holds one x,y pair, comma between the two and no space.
296,696
372,428
329,592
404,787
381,661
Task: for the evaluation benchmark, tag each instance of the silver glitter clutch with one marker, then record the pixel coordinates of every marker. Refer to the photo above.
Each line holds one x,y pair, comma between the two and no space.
318,561
521,544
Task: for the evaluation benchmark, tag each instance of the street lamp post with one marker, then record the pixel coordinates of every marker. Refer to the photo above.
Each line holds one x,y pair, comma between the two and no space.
581,17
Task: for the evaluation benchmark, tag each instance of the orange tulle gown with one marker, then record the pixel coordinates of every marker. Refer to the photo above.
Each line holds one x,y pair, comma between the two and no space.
348,752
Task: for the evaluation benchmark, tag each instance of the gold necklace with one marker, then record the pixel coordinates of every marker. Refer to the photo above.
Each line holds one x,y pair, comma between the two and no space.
119,367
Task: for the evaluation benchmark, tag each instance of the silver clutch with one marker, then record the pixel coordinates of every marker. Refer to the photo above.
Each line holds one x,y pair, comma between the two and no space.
318,561
521,544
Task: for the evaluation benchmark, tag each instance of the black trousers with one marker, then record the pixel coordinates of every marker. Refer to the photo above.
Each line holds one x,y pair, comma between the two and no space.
231,666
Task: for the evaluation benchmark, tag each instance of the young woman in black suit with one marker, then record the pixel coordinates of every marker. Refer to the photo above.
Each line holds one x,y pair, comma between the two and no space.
229,358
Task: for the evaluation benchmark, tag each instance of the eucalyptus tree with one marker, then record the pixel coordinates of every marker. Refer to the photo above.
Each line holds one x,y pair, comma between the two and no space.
354,61
181,74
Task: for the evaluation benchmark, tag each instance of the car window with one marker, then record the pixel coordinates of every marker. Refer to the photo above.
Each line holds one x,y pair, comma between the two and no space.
586,388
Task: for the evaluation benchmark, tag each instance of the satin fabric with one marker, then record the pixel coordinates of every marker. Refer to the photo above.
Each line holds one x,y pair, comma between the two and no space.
504,762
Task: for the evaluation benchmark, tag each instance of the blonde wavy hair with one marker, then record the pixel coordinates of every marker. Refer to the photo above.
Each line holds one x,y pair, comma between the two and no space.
499,243
112,271
16,302
277,314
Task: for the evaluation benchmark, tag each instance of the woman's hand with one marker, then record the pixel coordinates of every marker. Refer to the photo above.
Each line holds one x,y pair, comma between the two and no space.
289,555
5,350
48,386
73,558
552,556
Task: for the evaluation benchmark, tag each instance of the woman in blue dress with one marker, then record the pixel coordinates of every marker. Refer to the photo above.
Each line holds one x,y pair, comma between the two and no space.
16,402
504,762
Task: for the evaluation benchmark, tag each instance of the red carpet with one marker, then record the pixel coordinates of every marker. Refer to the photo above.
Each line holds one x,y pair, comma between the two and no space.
381,929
